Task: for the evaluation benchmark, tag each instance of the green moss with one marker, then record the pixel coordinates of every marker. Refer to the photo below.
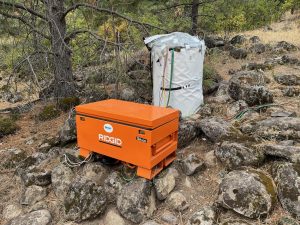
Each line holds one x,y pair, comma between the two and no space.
209,73
66,104
49,112
7,126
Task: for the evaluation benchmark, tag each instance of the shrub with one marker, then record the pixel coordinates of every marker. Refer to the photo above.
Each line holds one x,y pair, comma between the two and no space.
7,126
209,73
67,103
49,112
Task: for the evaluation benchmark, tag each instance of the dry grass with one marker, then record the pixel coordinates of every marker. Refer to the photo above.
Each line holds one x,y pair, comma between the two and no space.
288,29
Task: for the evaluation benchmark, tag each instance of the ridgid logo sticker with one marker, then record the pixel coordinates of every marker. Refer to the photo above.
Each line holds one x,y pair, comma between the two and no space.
108,128
110,140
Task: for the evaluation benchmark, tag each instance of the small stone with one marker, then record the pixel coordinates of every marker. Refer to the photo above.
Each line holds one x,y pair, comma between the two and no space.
210,158
169,218
38,206
204,216
238,39
236,107
187,132
40,217
258,48
283,114
177,201
287,221
192,164
164,185
255,39
287,143
290,153
287,79
11,211
68,133
150,222
33,194
113,218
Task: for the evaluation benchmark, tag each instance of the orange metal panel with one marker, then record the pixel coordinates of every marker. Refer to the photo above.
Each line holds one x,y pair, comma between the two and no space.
129,112
148,140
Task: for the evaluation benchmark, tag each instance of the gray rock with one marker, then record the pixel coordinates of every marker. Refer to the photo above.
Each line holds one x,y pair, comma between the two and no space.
281,128
187,133
213,41
95,172
258,48
238,53
291,91
169,218
192,164
36,177
287,79
204,216
235,222
249,86
257,66
11,211
254,39
61,179
236,107
68,132
287,221
11,157
128,94
13,97
40,217
136,201
283,114
164,185
290,153
150,222
177,201
251,193
84,200
286,59
33,194
113,185
283,45
234,155
113,218
238,39
287,143
287,177
215,128
210,158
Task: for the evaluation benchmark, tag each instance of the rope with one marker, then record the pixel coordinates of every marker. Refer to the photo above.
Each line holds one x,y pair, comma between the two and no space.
171,76
70,163
240,114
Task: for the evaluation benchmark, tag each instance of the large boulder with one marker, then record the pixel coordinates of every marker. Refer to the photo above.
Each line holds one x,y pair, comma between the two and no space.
84,200
217,129
113,185
136,201
290,153
61,178
287,179
39,217
282,128
249,86
213,41
238,53
187,132
287,79
164,185
235,155
238,39
204,216
249,192
68,131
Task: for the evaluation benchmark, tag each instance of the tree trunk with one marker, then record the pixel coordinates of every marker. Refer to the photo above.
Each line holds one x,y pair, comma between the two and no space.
64,85
194,16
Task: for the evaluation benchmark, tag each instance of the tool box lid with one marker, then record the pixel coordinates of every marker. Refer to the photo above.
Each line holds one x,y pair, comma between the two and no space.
143,115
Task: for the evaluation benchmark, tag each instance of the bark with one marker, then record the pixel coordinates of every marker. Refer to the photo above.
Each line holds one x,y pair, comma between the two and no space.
64,85
194,16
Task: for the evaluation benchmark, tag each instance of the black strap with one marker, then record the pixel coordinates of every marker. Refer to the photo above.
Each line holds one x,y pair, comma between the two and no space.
175,89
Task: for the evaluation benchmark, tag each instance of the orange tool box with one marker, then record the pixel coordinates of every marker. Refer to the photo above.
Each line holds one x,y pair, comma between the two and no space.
142,135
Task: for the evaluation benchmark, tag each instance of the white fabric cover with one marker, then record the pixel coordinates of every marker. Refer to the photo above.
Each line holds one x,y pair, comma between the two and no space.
187,73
